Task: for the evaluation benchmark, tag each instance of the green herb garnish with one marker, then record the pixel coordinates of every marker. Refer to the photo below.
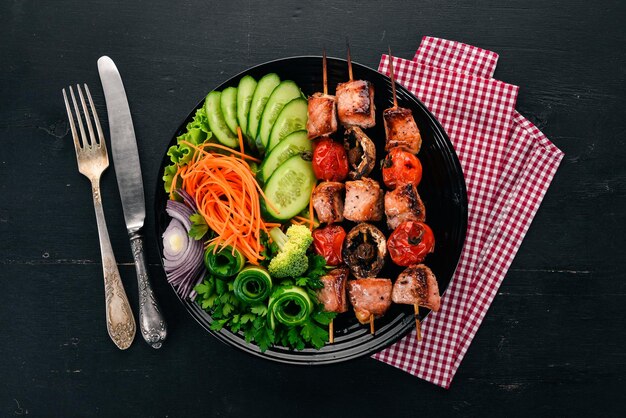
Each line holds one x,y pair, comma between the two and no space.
217,297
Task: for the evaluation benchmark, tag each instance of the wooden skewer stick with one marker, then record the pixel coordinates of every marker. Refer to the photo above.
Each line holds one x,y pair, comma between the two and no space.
418,326
371,315
331,332
325,72
349,62
393,80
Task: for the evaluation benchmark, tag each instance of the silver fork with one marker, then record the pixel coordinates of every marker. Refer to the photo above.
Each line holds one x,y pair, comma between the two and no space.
92,158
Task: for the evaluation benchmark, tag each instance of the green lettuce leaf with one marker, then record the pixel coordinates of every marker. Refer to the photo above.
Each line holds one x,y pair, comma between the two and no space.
198,132
168,176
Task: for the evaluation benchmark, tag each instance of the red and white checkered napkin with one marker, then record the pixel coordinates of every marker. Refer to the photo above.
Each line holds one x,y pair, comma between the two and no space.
508,165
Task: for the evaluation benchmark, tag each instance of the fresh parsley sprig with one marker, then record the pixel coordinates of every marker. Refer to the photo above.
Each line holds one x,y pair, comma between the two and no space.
199,227
217,297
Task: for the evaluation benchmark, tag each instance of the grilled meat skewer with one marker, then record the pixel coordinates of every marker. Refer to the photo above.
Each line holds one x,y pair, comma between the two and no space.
400,127
322,115
328,201
417,285
333,294
401,130
355,104
322,110
404,204
364,201
369,297
355,101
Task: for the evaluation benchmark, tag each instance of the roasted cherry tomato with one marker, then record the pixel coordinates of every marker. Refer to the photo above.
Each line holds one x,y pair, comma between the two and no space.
328,242
401,167
330,162
410,242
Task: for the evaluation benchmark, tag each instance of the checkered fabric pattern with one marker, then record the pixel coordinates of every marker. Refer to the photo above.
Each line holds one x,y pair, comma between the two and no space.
508,165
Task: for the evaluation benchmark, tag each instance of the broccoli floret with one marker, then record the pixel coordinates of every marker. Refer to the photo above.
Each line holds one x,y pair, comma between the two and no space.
291,260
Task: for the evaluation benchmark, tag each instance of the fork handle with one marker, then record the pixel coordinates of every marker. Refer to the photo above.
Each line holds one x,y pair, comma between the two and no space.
119,316
151,322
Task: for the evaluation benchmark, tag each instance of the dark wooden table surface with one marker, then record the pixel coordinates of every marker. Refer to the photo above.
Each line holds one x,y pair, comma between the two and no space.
553,342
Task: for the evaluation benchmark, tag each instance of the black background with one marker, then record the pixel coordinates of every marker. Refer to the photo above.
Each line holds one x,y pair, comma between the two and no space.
553,340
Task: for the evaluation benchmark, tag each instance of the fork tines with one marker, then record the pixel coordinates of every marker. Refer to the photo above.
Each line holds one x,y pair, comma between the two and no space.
84,141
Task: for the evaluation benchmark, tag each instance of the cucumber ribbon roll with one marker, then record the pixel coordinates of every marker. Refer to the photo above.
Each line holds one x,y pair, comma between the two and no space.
226,262
289,305
253,285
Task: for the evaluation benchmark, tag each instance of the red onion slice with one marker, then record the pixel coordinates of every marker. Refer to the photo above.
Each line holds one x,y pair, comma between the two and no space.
187,199
182,255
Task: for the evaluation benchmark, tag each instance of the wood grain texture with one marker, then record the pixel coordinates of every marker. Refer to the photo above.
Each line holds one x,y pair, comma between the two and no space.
552,343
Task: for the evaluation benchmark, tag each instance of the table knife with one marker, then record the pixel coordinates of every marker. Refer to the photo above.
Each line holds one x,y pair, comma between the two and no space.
128,172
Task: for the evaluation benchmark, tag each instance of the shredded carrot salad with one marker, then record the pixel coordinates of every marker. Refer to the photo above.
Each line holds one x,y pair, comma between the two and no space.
228,197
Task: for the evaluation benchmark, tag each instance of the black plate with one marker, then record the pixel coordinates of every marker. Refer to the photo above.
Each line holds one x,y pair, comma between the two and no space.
442,190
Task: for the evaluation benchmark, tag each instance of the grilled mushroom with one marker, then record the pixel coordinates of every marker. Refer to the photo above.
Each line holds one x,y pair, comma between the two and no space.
364,250
361,152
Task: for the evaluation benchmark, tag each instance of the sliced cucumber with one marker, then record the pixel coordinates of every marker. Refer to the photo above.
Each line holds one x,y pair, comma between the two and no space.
294,144
289,188
245,90
216,120
262,93
228,104
292,118
285,92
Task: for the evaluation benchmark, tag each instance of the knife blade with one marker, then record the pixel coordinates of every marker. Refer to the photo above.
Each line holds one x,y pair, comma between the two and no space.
130,185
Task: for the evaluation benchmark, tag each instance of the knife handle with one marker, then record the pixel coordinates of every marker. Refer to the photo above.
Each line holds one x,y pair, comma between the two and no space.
151,321
119,316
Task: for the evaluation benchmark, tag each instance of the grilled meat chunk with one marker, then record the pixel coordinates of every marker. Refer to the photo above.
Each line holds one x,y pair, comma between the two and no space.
364,201
361,152
328,201
333,294
417,284
364,250
404,204
322,115
401,130
355,103
369,297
